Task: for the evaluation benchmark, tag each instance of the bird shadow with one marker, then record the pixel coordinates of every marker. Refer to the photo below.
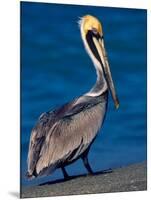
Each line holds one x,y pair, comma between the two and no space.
76,176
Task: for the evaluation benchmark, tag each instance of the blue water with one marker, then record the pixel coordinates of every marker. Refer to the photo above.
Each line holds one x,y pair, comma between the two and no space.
55,68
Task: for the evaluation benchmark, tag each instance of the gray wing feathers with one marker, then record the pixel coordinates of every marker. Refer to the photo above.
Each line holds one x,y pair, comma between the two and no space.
37,139
67,135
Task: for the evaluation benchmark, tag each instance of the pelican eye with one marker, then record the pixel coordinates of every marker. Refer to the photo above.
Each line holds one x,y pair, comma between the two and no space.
94,30
96,34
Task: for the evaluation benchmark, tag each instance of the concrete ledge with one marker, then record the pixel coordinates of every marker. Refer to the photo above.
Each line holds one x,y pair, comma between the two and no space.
131,178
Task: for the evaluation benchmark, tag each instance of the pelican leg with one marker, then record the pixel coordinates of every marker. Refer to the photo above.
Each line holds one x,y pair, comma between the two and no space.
86,162
65,174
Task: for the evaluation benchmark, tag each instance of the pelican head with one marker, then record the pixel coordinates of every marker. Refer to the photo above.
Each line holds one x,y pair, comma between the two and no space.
92,36
91,23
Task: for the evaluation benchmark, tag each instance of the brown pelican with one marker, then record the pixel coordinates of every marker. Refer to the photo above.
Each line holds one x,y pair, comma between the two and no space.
64,135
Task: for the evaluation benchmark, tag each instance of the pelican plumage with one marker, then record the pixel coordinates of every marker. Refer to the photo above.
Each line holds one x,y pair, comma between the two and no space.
66,134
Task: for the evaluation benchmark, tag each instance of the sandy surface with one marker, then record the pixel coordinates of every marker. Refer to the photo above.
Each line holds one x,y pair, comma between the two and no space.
131,178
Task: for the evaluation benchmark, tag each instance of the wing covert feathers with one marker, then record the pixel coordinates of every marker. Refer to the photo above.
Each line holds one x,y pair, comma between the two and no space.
69,135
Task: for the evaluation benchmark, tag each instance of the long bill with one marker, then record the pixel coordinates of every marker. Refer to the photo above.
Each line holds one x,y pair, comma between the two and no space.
99,44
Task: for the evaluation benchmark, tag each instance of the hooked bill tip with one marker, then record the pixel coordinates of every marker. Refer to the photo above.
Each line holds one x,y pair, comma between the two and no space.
117,104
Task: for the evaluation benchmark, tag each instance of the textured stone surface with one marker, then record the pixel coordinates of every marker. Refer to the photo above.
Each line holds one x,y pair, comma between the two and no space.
131,178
